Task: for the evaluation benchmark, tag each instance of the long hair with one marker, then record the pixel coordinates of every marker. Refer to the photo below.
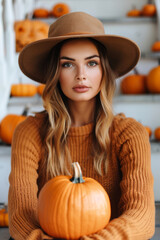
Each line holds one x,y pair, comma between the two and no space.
59,122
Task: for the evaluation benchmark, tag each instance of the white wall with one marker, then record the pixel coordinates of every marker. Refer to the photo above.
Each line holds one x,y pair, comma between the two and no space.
5,168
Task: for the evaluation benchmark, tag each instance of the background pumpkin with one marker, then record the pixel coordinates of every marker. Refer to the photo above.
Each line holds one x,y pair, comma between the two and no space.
27,31
134,84
149,130
60,9
153,80
40,89
40,13
156,46
79,206
23,90
149,10
8,125
157,133
134,13
4,221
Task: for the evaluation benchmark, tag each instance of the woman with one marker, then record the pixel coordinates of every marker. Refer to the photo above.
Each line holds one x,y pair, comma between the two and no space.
79,65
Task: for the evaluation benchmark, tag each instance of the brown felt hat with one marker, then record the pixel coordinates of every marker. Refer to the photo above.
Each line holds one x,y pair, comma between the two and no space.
123,54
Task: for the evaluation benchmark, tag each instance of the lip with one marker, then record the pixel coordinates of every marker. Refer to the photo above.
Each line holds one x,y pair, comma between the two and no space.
80,88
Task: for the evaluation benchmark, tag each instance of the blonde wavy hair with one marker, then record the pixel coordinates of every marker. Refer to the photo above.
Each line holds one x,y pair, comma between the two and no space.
59,121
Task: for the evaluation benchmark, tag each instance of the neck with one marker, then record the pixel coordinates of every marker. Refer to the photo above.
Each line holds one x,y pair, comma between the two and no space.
82,113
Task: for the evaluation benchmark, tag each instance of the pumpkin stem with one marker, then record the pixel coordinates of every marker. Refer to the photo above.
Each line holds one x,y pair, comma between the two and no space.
77,173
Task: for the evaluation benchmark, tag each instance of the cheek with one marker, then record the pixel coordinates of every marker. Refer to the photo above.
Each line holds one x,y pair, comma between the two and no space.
66,82
63,79
66,74
97,78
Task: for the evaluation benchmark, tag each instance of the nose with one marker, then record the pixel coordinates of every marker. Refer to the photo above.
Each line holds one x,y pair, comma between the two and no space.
80,75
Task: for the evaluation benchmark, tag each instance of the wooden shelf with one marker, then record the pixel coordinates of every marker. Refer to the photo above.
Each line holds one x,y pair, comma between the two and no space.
129,20
130,98
22,101
122,98
154,55
118,20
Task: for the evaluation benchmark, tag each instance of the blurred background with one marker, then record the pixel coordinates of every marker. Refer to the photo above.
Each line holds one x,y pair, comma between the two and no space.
137,93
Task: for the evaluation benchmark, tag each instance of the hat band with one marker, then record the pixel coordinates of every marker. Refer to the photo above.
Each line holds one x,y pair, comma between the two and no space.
74,33
78,33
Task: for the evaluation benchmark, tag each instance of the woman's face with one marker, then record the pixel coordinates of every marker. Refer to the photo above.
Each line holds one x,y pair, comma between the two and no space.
80,70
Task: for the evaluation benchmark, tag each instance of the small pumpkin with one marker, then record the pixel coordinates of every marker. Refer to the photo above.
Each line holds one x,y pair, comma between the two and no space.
3,216
149,10
41,13
8,125
153,80
27,31
4,222
156,46
70,207
40,89
157,133
134,84
149,130
134,13
23,90
60,9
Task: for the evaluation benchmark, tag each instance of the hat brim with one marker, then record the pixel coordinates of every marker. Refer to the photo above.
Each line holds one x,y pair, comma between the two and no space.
123,54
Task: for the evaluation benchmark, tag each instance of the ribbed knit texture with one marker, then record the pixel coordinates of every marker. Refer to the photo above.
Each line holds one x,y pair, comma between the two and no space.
129,181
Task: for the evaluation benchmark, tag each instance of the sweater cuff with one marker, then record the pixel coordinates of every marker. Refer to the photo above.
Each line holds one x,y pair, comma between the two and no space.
38,234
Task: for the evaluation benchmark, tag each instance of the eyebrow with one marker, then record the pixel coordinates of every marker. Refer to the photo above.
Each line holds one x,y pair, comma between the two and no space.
72,59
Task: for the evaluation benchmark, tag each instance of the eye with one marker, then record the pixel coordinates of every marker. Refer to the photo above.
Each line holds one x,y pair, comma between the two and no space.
67,64
92,63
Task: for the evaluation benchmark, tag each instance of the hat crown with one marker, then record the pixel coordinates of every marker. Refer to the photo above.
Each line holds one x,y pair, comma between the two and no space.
76,23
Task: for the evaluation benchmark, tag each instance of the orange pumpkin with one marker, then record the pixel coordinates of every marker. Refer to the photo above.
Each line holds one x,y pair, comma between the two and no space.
3,216
156,46
134,13
40,89
70,207
157,133
149,130
134,84
8,125
23,90
153,80
27,31
60,9
149,10
4,222
40,13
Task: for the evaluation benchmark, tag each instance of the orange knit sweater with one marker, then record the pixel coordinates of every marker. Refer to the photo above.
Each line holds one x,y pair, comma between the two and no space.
129,181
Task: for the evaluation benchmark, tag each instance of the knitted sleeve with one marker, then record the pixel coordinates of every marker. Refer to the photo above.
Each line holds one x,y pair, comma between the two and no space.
22,199
136,206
